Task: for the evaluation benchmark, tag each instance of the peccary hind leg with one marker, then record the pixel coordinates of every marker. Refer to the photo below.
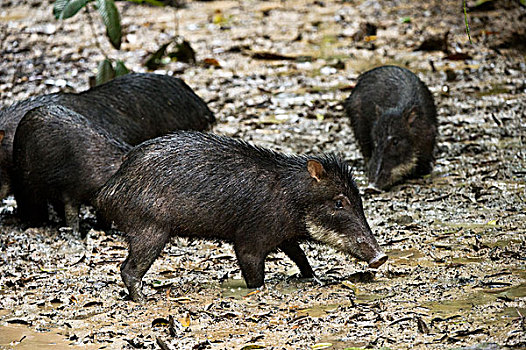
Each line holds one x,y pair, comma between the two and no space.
144,248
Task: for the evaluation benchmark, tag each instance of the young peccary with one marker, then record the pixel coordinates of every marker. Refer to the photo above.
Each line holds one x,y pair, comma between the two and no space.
61,158
206,186
394,119
133,108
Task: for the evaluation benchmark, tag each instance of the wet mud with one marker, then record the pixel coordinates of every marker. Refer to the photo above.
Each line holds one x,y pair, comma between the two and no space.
456,239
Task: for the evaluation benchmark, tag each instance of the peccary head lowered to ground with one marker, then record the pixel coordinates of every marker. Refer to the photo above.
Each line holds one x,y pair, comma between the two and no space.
394,121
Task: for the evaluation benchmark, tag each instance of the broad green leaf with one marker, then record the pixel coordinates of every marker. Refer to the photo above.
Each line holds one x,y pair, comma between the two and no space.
105,72
522,2
72,7
120,68
154,2
58,7
183,52
151,2
154,61
110,17
481,2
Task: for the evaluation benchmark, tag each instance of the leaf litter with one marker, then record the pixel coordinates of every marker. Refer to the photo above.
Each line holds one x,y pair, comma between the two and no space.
275,74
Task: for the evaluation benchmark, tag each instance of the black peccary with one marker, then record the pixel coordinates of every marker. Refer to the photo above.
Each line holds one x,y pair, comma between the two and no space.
61,158
393,117
133,108
206,186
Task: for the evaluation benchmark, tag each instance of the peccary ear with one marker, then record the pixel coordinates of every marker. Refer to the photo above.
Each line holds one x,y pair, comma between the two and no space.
2,134
316,170
411,115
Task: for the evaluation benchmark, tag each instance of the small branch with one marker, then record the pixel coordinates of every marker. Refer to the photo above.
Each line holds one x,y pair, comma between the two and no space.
176,21
466,21
406,318
92,25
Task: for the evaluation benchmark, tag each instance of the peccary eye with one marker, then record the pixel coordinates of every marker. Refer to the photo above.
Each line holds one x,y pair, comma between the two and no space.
338,204
395,142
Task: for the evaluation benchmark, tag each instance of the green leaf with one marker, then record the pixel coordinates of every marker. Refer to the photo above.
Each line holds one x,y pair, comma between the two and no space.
72,7
405,20
105,72
151,2
183,52
110,17
120,68
522,2
58,7
154,61
466,21
481,2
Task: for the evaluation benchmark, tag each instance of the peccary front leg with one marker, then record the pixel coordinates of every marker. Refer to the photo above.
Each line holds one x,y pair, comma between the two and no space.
31,207
71,214
144,247
252,263
293,250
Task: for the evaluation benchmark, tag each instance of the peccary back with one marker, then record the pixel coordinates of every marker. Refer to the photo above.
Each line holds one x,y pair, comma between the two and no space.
61,158
133,108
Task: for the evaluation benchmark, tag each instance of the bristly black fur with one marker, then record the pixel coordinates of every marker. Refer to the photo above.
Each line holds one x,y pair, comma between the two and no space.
62,158
336,165
133,108
207,186
393,117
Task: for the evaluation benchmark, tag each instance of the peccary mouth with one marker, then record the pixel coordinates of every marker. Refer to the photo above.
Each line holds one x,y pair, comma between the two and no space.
378,260
400,171
384,180
342,243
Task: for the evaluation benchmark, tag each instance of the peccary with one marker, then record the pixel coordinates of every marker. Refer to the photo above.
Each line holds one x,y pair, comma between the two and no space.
61,158
133,108
394,119
206,186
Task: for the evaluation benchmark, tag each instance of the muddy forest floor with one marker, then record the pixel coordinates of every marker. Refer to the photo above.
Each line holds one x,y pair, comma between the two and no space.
456,240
